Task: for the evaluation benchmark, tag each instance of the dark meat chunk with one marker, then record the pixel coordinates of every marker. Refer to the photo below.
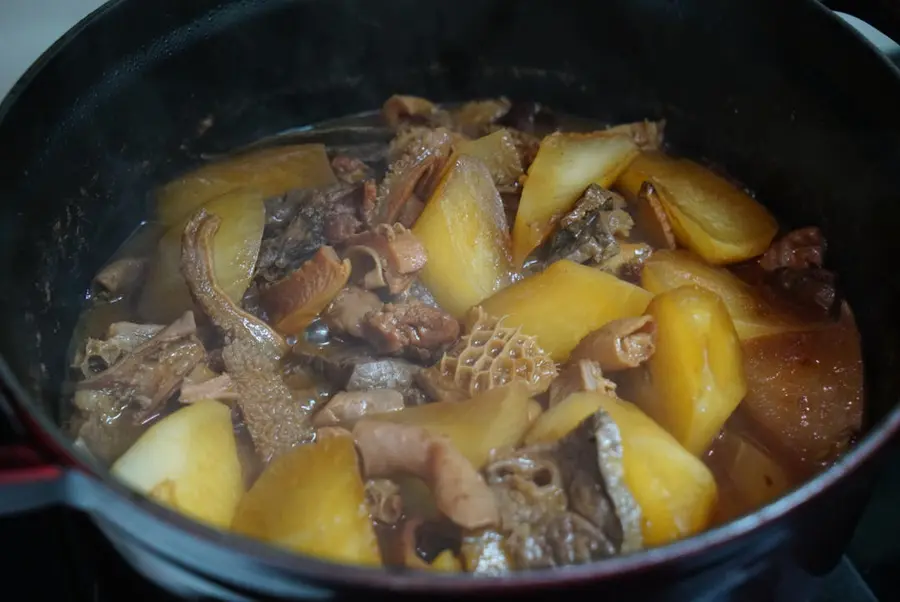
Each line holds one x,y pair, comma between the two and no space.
348,311
121,276
460,493
252,352
565,503
413,330
588,233
133,388
353,405
351,169
793,267
648,135
799,249
387,256
301,221
473,119
411,178
358,369
384,501
812,288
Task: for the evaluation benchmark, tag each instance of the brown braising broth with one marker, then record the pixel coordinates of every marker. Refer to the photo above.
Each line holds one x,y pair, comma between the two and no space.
381,301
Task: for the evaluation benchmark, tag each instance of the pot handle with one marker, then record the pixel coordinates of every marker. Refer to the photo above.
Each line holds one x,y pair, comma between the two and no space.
883,15
27,480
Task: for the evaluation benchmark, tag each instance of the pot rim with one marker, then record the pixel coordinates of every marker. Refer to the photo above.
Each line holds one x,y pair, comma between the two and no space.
295,565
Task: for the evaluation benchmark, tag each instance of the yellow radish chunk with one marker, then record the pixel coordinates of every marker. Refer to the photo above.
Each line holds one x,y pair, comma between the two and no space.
235,249
564,303
752,315
270,172
498,153
565,165
696,377
189,462
464,232
676,492
496,419
806,392
748,477
564,417
312,500
709,215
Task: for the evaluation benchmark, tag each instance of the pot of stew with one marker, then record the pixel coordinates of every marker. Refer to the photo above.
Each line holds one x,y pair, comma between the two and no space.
312,299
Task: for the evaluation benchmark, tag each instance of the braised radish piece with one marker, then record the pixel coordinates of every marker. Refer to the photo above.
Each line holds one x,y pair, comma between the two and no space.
235,249
463,229
696,376
753,313
709,215
268,172
565,165
676,492
564,303
498,153
189,462
312,501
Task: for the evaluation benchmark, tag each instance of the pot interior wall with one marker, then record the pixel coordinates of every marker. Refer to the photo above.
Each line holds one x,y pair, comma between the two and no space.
811,125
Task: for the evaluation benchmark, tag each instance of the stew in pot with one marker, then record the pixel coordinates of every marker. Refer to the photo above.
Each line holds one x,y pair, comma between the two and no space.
496,338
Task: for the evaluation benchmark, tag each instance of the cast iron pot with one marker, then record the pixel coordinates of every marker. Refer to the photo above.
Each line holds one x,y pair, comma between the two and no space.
780,93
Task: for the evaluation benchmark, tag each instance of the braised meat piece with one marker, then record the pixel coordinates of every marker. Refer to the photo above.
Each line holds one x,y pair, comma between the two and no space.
301,221
295,301
619,345
576,376
411,178
413,330
353,405
588,232
252,352
134,387
460,493
799,249
351,169
489,355
564,503
121,339
794,266
348,311
387,256
356,368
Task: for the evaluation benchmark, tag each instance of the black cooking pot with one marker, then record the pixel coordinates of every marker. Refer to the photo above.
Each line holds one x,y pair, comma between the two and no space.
780,93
